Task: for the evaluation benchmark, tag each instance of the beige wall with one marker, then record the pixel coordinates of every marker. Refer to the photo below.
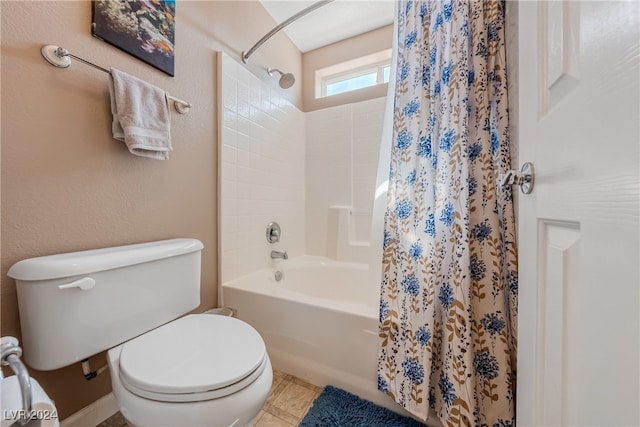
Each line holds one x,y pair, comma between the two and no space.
355,47
67,185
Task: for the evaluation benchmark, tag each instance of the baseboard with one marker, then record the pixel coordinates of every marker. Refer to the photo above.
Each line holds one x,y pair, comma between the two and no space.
93,414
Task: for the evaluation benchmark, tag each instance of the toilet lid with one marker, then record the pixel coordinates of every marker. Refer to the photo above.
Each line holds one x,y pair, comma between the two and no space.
194,354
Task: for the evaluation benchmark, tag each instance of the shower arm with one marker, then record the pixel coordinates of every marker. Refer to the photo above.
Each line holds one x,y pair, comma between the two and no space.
317,5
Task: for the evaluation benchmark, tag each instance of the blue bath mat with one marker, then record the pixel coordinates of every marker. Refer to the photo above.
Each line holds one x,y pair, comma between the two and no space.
338,408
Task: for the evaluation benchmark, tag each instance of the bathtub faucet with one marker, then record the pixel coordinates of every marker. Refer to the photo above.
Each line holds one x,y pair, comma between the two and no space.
276,254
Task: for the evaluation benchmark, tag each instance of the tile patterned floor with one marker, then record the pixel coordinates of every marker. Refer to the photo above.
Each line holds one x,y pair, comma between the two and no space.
116,420
288,402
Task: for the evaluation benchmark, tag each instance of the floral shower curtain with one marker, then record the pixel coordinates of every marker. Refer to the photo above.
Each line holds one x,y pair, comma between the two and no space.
449,281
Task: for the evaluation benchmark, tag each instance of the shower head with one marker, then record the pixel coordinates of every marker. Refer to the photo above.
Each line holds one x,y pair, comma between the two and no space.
286,79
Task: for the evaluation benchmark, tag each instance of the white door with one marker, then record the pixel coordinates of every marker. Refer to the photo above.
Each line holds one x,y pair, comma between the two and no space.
579,299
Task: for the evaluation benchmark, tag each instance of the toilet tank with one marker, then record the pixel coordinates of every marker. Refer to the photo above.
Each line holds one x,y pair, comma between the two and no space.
77,304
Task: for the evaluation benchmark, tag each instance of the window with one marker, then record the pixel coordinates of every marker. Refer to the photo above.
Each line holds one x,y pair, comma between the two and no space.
359,73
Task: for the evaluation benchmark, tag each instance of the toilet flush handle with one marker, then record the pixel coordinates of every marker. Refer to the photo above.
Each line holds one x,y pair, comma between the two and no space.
84,284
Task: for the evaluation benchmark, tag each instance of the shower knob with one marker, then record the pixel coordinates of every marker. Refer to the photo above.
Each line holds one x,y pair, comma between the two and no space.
273,232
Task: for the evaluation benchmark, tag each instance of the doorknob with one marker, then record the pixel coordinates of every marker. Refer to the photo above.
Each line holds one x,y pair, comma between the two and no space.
524,178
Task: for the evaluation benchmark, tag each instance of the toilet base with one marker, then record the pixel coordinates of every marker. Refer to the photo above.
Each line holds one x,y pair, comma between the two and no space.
235,410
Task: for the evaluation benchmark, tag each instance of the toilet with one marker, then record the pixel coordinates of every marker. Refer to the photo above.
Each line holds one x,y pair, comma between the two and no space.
167,369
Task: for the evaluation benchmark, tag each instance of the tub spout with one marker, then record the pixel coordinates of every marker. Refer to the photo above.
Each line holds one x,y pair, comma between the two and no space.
276,254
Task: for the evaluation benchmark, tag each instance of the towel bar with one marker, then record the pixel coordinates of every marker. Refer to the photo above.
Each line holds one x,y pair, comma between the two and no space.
60,57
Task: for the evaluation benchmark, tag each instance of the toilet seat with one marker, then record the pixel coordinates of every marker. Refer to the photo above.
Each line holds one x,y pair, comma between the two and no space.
194,358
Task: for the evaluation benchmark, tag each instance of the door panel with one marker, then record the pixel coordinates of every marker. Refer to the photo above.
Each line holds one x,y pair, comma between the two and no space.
558,258
579,299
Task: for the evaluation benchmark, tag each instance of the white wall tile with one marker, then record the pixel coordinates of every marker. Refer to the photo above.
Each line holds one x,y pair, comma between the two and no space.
230,118
262,166
280,164
243,104
229,93
342,159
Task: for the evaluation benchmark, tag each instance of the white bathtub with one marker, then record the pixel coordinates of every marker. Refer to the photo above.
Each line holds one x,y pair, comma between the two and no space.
320,322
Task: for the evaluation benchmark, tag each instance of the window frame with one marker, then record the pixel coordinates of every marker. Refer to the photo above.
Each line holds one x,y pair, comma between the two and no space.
355,68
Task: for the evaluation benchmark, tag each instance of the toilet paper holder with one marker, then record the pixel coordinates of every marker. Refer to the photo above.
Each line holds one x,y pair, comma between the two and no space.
10,353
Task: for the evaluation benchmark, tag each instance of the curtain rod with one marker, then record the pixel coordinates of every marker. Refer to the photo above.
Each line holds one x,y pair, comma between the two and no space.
245,56
59,57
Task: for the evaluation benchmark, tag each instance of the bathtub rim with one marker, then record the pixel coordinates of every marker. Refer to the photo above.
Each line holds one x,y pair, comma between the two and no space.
242,283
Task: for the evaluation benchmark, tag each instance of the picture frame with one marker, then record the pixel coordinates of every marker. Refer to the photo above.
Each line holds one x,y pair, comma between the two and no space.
142,28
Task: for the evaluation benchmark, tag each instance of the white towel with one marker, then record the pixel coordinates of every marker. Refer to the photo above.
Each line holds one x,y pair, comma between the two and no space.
140,116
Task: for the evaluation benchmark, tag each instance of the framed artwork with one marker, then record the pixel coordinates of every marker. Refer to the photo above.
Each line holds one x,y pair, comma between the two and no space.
142,28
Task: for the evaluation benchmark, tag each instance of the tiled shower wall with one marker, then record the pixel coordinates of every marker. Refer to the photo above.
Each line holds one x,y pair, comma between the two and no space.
343,144
262,172
280,164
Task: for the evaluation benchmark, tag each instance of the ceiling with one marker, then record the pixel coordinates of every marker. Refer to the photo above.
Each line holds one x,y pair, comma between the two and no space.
332,22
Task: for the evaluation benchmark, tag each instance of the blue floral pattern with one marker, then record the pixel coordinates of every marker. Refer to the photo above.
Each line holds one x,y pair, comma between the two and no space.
414,371
492,323
423,336
449,284
415,251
